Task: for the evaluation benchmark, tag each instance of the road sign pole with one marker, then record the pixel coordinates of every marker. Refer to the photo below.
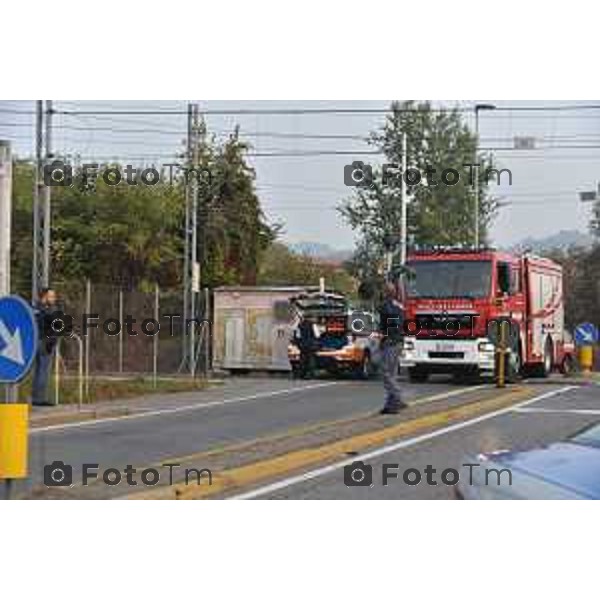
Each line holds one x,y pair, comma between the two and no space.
586,358
586,338
19,341
5,229
13,416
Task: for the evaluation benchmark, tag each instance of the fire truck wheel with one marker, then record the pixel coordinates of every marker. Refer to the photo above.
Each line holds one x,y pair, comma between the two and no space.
546,367
548,358
416,375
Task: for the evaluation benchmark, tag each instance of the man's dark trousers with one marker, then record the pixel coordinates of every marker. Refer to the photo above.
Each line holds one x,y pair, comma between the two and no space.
41,375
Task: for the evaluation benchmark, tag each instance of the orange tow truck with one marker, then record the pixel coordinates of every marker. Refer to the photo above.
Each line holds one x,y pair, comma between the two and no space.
345,342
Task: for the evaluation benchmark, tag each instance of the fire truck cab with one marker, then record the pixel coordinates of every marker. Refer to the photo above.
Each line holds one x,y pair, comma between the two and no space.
455,300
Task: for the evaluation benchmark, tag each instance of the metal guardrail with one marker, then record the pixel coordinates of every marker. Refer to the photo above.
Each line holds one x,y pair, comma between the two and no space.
82,378
203,340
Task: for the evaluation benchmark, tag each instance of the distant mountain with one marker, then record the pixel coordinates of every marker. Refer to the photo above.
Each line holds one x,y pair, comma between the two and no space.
319,250
562,240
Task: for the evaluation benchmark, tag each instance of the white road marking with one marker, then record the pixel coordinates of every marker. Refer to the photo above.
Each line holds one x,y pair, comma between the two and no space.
448,394
190,407
575,411
179,409
290,481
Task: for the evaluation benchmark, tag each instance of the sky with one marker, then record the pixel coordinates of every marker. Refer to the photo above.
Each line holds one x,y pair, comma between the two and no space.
302,191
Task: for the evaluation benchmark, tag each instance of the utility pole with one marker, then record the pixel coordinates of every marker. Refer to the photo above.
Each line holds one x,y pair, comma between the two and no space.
478,107
40,275
5,215
191,279
47,200
187,242
195,287
37,193
404,224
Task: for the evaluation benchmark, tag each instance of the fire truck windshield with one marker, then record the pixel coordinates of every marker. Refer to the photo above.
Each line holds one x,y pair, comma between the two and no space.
450,279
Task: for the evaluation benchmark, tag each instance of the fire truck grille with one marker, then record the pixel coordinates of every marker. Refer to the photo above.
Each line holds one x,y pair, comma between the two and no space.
442,321
450,355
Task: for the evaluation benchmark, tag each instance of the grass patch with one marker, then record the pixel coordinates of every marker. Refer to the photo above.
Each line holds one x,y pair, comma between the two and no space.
102,388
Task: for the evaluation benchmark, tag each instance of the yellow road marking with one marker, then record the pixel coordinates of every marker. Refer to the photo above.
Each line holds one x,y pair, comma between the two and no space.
253,473
305,429
292,432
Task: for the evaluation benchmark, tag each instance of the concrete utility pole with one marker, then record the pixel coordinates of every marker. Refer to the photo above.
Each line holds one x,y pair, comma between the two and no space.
40,274
187,243
195,287
478,107
47,200
37,193
5,215
404,224
191,283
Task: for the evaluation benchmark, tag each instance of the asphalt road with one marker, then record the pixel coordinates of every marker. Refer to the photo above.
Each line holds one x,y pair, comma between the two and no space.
242,410
247,409
542,422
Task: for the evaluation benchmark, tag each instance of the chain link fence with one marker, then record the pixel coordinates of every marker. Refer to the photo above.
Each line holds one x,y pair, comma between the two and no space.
120,333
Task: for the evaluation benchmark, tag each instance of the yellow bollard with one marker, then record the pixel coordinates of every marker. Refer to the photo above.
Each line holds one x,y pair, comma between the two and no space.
14,421
586,358
501,355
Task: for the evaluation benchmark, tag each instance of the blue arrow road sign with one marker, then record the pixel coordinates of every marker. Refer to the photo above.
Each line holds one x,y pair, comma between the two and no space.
18,338
585,334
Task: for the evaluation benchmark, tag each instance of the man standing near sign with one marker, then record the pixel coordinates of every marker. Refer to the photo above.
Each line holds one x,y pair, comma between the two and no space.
44,311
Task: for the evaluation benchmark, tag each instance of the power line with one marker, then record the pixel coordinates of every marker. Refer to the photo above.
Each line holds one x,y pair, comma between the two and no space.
542,148
259,111
275,154
324,190
309,111
290,135
555,108
336,110
16,111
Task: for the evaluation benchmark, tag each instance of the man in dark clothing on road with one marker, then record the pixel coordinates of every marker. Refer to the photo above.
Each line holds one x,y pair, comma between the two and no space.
306,341
391,324
44,310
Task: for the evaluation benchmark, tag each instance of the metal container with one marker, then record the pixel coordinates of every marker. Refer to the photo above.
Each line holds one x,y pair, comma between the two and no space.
252,328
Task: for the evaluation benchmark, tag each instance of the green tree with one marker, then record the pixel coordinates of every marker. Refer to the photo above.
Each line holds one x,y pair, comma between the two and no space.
437,214
133,235
281,266
235,232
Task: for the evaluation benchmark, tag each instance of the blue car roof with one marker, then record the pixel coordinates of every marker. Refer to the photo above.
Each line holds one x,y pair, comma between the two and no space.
571,466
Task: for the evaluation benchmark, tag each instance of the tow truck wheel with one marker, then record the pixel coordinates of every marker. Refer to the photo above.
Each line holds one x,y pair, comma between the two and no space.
364,370
416,375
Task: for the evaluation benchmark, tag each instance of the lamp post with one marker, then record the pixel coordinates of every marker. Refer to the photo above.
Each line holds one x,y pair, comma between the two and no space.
404,224
478,107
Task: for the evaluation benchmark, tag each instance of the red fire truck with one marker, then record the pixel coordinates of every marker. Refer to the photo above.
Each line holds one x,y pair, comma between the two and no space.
456,297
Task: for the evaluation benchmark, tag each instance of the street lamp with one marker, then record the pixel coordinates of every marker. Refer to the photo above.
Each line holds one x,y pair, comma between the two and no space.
478,107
